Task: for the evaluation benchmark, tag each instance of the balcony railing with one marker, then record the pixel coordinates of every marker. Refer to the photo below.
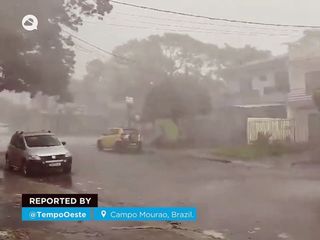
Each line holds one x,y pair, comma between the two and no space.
299,94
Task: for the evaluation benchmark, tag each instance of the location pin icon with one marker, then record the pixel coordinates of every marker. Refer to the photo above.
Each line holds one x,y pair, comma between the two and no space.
103,213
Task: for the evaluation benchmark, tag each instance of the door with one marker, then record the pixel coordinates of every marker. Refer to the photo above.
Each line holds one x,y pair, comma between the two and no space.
12,150
20,150
111,137
314,128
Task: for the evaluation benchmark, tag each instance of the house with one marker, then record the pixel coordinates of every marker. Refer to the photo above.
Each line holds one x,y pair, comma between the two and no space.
259,88
254,90
304,76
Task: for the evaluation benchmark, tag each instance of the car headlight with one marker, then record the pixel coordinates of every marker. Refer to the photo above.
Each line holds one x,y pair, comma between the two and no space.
34,157
68,155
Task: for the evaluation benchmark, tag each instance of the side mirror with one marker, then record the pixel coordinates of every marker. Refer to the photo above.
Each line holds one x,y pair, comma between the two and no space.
63,143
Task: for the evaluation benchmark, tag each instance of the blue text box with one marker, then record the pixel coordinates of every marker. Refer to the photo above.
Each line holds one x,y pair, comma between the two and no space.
56,214
144,214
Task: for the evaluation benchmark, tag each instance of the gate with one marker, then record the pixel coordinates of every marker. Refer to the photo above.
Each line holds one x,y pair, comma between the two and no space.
279,129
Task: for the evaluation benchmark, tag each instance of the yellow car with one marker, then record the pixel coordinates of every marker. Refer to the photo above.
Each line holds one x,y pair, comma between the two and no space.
120,139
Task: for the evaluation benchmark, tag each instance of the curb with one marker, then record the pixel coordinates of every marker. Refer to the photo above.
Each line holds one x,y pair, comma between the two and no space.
228,161
211,158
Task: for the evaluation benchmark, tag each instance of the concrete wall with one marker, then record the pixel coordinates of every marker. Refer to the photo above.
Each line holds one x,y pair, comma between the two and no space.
297,71
226,126
301,117
303,58
258,87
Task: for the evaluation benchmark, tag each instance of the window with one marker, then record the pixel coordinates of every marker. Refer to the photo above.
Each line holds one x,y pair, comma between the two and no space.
312,81
281,80
20,143
130,131
13,140
42,141
112,131
17,141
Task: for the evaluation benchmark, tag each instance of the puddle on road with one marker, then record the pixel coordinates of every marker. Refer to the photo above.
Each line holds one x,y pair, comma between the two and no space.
60,180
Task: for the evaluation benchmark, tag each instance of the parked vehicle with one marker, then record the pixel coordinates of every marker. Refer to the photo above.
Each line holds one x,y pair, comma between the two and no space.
32,152
121,139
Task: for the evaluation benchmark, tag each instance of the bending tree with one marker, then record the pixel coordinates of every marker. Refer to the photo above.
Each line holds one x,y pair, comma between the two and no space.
41,60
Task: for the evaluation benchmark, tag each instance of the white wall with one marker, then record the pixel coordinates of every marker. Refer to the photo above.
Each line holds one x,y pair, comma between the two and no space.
297,71
297,77
258,84
301,117
300,64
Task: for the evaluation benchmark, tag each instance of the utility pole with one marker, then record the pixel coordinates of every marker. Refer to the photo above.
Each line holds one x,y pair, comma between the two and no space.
129,102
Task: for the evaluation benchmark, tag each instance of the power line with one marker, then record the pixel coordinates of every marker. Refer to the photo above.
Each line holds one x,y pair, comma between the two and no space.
96,47
213,18
79,46
202,23
191,29
198,30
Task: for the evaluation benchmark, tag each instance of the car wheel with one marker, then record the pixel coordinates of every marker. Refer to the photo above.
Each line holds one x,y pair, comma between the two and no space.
67,170
99,145
7,165
26,170
139,148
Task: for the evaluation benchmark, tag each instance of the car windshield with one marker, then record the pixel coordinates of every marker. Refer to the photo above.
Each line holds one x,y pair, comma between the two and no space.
42,141
130,131
113,131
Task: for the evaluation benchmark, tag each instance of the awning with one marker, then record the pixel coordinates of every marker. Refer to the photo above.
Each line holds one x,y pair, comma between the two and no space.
259,105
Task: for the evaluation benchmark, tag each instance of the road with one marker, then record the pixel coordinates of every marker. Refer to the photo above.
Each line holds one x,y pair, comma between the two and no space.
241,201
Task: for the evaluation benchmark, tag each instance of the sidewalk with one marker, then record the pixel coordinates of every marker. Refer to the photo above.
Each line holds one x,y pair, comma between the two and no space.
309,157
12,228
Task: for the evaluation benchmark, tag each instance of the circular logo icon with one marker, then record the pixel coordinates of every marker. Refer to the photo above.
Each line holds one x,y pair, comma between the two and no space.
30,23
32,215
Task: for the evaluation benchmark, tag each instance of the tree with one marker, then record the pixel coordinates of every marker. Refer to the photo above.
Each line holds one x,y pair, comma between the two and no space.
231,56
157,68
41,60
159,57
176,98
91,85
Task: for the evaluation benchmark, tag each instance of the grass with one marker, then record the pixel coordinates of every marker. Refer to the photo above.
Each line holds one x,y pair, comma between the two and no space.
254,151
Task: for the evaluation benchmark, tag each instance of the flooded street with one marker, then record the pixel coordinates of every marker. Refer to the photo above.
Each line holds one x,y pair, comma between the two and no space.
241,201
211,110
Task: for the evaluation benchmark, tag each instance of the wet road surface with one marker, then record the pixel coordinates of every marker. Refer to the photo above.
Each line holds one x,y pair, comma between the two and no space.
242,202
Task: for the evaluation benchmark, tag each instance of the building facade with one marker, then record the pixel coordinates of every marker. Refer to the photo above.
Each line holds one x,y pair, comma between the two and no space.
287,81
304,76
264,82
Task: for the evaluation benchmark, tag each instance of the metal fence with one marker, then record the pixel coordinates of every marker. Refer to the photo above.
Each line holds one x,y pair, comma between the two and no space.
277,128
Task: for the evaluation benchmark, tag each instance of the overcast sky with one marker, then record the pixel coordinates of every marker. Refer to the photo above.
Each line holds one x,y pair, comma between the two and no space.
125,23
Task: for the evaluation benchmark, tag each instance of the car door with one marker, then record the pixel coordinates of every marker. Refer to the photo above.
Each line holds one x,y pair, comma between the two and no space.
11,150
116,134
111,137
106,139
20,150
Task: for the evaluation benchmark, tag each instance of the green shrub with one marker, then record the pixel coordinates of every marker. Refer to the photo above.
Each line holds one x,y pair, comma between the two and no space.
263,139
